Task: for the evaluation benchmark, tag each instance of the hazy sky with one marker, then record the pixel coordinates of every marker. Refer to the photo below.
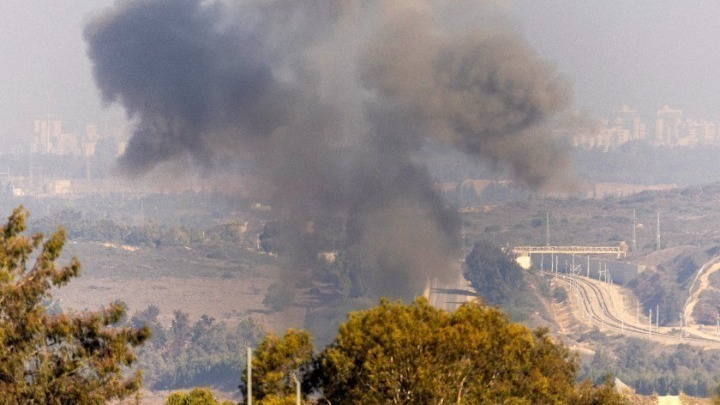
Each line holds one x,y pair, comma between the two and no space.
641,53
43,66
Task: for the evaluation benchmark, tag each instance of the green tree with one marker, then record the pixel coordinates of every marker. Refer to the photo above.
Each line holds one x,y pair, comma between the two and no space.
149,318
188,355
56,358
277,363
418,354
197,396
493,274
604,394
278,297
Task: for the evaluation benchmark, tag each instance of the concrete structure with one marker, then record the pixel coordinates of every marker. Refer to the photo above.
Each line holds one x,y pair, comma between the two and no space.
628,121
619,251
668,125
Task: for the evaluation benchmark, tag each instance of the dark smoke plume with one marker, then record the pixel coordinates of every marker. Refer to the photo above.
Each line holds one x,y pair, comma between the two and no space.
292,83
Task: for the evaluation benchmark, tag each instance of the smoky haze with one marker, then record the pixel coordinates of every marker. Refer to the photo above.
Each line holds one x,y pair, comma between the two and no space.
289,84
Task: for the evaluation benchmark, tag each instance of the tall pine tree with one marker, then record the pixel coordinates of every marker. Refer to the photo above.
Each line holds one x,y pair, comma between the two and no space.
56,359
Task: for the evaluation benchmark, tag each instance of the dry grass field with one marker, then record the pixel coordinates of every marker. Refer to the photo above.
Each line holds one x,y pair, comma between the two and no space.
173,279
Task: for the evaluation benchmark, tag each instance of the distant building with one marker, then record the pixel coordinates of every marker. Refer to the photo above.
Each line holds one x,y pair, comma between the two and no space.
668,127
583,131
671,129
629,123
701,131
615,136
50,139
90,139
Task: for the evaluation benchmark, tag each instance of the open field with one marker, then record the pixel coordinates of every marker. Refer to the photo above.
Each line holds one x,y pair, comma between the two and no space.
173,279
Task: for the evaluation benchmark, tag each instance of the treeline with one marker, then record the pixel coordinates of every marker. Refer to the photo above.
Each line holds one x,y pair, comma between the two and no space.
203,353
150,234
684,369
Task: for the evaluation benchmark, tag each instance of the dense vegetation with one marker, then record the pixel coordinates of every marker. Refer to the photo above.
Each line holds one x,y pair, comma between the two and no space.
683,368
400,354
206,353
500,281
494,274
56,358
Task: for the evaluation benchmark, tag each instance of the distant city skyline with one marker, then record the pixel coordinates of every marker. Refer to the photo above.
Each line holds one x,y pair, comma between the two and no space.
668,126
643,54
613,52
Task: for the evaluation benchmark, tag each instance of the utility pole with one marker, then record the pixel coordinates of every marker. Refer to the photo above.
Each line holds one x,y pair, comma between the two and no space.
634,232
657,233
657,317
547,228
249,376
557,265
606,273
650,325
588,267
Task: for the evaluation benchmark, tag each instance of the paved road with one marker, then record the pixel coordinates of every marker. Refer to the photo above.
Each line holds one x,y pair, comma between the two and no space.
449,295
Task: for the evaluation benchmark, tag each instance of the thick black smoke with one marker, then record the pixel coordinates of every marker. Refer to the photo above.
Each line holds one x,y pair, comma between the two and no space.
291,83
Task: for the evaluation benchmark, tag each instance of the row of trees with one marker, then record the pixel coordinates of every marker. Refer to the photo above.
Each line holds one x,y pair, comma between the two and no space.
150,234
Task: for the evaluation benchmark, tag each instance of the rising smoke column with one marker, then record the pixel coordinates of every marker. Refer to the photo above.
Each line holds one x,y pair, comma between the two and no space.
287,82
486,93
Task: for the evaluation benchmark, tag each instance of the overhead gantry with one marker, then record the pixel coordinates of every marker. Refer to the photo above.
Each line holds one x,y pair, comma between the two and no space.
619,251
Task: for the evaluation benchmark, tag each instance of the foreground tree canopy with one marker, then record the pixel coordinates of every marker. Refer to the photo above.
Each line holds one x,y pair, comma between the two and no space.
417,354
55,359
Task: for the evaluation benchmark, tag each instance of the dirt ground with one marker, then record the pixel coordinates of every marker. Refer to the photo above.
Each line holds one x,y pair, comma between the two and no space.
226,300
172,280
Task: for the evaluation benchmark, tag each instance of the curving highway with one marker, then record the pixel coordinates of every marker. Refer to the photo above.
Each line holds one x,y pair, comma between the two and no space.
596,303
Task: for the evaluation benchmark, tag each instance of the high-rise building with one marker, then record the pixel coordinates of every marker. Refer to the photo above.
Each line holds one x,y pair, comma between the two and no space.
701,131
668,126
629,120
50,138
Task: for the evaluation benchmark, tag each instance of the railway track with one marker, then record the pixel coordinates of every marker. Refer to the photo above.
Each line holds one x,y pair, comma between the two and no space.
595,306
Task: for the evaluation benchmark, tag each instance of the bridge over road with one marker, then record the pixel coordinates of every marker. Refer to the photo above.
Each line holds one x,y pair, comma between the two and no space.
620,250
